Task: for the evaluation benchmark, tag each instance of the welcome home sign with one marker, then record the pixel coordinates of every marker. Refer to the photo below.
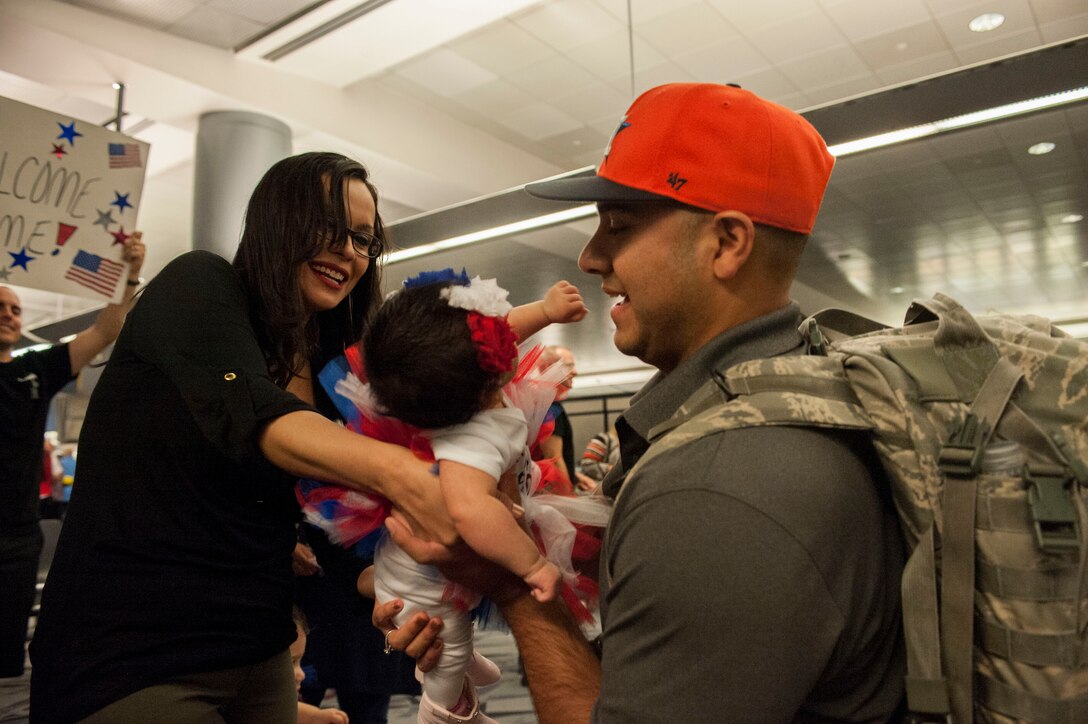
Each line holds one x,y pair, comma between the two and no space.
69,193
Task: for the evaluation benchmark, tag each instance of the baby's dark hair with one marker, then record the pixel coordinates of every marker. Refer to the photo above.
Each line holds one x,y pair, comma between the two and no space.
420,360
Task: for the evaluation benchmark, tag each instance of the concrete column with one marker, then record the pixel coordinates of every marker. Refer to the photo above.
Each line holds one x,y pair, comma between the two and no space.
233,150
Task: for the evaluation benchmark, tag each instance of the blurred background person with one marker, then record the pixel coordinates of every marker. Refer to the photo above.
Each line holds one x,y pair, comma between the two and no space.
560,444
601,453
27,385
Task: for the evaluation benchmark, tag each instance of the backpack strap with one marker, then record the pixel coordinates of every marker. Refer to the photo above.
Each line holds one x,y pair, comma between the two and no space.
771,392
792,390
960,459
927,688
1019,704
943,685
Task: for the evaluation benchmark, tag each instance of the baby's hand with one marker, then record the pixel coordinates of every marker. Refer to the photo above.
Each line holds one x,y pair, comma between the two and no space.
544,579
563,303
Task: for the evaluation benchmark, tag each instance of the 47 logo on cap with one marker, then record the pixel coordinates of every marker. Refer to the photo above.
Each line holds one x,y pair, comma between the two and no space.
676,181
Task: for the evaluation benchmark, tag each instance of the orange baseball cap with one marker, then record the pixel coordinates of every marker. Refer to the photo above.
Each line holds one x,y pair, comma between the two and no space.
712,146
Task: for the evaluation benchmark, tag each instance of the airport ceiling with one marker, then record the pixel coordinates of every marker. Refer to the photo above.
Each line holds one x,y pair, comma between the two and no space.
447,102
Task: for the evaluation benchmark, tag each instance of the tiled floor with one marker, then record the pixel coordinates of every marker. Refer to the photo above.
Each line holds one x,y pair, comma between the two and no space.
508,701
15,699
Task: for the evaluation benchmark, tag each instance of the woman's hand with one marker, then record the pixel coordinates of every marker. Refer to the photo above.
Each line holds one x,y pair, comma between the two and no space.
458,562
307,445
418,498
417,637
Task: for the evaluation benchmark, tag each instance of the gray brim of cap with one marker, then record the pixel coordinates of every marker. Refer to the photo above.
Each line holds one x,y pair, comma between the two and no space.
589,188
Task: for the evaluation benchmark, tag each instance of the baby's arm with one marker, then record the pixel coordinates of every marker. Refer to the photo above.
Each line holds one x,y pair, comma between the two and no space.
562,304
489,528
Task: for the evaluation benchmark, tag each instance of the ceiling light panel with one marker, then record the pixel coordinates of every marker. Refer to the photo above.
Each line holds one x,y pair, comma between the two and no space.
341,42
986,22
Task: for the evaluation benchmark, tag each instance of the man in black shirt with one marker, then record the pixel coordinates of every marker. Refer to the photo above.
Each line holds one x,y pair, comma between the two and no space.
27,384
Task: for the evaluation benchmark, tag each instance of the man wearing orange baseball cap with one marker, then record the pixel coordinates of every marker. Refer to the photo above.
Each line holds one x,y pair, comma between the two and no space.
753,574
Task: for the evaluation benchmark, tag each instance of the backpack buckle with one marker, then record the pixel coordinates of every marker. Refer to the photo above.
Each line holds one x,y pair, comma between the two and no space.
815,342
961,455
1052,511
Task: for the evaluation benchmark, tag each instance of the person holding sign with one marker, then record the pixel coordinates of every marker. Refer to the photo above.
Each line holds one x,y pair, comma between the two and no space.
27,384
170,595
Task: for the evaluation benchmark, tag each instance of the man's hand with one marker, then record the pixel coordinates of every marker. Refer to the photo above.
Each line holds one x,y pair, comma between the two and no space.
133,252
563,303
107,325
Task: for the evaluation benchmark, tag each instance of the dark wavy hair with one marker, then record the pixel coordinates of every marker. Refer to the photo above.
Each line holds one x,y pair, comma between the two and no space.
297,204
421,362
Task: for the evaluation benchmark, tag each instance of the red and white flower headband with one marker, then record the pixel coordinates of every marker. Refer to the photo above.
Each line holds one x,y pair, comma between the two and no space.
485,301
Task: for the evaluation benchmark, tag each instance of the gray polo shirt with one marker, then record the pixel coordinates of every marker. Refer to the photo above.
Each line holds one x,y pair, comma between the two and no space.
755,573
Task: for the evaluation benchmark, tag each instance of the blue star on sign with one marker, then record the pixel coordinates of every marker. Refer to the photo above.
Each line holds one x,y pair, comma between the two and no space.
20,259
121,201
68,132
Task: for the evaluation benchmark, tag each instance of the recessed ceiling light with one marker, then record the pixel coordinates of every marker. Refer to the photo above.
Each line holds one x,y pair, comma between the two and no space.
896,290
1072,218
1040,148
901,46
986,22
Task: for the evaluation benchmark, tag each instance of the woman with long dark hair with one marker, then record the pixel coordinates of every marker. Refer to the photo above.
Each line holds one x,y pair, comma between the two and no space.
169,598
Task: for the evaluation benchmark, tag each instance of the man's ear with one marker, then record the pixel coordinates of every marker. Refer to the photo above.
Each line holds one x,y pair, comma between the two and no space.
735,234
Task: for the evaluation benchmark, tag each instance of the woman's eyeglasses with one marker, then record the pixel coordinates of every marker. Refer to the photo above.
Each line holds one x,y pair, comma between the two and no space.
365,244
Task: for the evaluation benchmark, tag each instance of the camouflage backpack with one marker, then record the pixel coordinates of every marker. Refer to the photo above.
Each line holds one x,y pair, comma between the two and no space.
981,424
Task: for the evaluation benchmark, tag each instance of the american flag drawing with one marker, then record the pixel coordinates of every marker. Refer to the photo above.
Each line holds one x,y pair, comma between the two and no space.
95,273
124,155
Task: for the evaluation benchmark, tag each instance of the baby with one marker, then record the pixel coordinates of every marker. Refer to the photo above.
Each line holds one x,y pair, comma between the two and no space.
437,356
